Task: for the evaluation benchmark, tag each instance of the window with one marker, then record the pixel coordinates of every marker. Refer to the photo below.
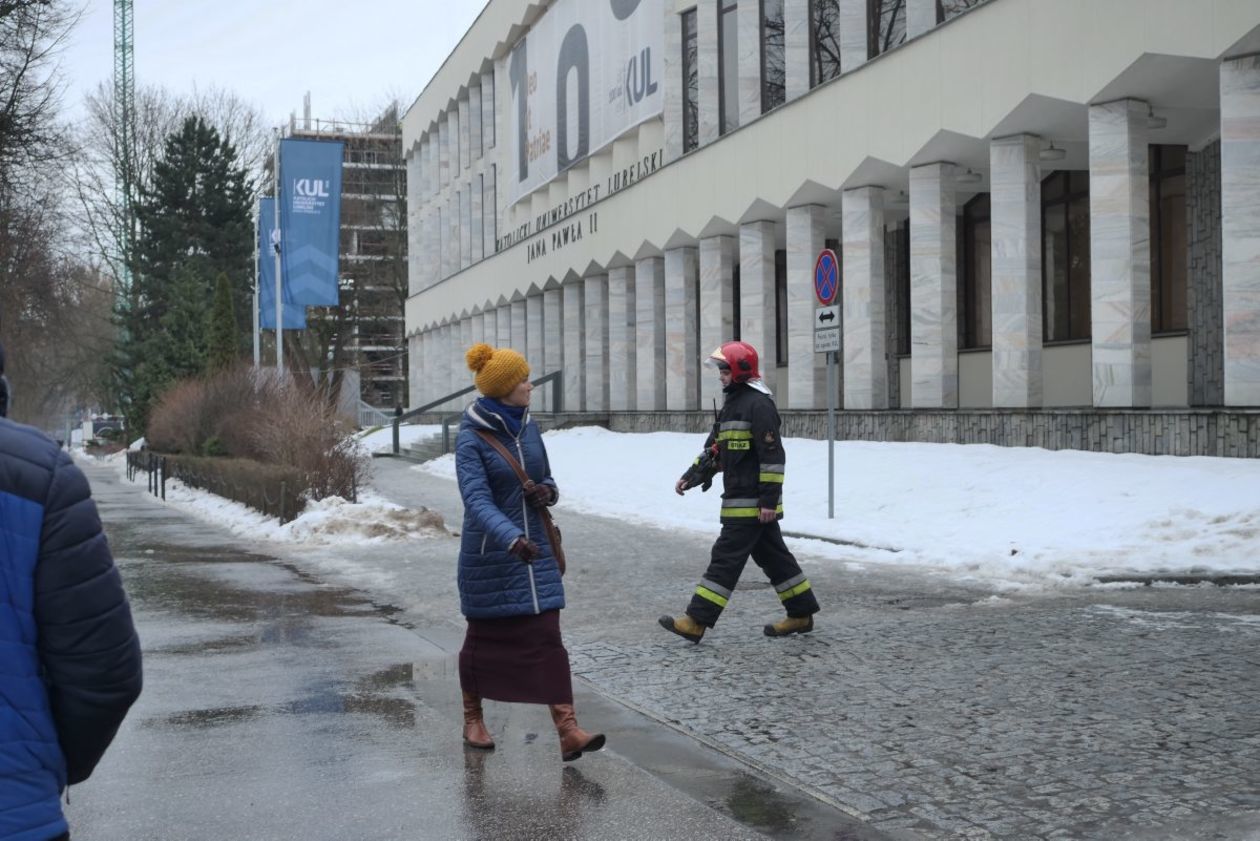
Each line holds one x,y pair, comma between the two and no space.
1065,256
901,277
773,56
946,9
735,301
977,327
728,67
780,308
824,41
886,25
1169,249
691,82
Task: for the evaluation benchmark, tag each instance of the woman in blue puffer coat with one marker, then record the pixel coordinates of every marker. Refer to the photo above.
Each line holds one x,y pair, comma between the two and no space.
509,582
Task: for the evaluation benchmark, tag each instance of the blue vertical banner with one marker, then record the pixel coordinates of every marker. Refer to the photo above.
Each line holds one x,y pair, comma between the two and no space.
294,314
310,219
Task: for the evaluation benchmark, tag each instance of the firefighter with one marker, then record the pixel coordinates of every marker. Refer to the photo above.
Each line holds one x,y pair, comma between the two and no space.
745,445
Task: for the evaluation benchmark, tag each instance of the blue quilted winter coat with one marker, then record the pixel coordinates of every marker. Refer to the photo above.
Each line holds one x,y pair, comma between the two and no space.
69,657
492,583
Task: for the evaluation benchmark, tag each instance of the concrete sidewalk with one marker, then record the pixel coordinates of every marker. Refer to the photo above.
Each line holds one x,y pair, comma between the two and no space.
282,703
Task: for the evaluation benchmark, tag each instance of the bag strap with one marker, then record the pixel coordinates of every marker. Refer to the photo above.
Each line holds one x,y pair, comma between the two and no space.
549,526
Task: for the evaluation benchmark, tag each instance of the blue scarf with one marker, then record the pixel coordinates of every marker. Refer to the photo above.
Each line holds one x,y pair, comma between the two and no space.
512,415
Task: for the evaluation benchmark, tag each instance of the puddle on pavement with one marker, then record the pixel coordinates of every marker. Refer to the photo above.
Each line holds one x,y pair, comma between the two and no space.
756,804
214,717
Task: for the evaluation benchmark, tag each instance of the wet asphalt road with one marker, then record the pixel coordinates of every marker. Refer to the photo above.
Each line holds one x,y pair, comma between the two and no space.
280,706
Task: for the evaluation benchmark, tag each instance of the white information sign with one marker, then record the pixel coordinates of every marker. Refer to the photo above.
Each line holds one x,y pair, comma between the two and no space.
587,71
827,340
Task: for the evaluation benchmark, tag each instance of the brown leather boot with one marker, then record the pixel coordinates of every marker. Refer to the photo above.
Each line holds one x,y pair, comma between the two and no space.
573,739
475,733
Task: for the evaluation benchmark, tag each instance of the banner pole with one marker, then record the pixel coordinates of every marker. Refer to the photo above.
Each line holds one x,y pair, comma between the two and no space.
832,388
258,255
277,239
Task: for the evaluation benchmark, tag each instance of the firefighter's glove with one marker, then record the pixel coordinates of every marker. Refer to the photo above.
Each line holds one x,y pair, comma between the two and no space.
524,549
539,496
702,472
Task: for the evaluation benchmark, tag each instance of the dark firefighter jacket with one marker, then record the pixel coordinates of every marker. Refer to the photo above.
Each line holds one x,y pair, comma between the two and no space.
750,453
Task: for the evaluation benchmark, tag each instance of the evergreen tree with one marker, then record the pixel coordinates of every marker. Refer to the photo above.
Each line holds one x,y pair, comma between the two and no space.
194,224
224,341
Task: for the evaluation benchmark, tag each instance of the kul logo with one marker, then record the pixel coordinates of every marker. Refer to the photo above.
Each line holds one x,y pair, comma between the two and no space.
311,187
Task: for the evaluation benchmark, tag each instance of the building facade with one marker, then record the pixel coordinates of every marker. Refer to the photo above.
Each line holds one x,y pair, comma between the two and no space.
1047,215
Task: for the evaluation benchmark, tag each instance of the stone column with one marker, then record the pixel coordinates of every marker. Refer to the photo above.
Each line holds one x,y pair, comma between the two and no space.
574,346
490,328
465,335
1015,201
465,136
797,46
519,318
854,48
476,217
718,259
865,371
756,293
489,210
748,22
444,153
478,329
451,255
673,82
682,345
503,325
933,288
920,17
1240,227
474,123
421,373
451,371
487,109
596,333
707,59
807,371
553,342
532,347
649,304
621,339
1205,311
1120,253
465,227
452,132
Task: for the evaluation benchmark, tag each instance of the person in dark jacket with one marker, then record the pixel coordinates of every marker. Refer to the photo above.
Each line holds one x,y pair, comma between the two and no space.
69,656
509,581
747,447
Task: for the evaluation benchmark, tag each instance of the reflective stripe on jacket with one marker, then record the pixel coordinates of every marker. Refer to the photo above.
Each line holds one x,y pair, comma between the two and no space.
751,454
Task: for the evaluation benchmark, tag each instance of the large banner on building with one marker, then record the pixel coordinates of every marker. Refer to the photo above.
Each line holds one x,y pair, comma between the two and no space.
310,219
294,314
586,72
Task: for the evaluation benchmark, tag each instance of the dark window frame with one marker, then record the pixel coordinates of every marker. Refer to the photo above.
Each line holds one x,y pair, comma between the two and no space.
725,7
970,338
690,120
770,99
901,293
780,308
814,74
1161,277
1064,200
874,26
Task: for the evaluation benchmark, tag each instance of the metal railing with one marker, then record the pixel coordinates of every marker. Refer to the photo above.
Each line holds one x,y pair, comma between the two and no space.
557,406
371,416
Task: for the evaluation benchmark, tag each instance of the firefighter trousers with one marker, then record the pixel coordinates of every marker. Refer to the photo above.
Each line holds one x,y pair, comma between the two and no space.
764,542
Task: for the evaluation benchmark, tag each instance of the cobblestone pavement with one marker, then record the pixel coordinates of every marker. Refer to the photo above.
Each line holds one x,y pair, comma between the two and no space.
927,707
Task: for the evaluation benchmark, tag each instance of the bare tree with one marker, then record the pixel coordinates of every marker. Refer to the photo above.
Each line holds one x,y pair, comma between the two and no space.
32,32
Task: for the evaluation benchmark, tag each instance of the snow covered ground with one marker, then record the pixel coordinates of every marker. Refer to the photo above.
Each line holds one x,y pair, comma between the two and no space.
1016,517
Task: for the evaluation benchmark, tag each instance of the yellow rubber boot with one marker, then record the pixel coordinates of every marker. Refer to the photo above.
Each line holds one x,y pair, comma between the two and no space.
790,625
684,626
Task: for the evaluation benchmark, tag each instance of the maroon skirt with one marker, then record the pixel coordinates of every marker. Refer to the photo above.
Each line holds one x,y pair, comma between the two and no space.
520,659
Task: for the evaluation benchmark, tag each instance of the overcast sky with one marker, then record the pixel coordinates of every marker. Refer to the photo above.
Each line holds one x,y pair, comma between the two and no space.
352,56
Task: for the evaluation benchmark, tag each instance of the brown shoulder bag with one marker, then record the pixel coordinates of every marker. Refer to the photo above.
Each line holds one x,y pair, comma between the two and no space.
549,525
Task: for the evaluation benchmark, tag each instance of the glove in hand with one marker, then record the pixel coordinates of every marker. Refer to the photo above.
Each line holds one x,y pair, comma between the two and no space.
525,549
539,496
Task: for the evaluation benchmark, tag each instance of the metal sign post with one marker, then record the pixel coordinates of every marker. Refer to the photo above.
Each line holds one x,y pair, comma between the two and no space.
827,340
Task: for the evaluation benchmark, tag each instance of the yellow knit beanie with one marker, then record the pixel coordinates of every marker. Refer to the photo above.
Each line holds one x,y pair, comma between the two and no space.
499,370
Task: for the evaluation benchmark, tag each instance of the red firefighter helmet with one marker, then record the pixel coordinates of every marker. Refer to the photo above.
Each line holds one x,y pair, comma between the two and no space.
740,357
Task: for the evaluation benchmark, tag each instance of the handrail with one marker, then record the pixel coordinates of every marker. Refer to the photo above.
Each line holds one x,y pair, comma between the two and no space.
557,403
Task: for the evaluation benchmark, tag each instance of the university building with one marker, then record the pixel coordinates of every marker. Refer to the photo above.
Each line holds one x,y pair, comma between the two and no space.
1047,215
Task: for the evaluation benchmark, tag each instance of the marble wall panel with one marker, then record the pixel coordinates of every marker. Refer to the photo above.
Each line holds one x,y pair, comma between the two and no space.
933,288
682,344
574,346
797,46
719,258
649,301
1240,227
1120,254
756,294
595,306
863,311
1015,201
622,351
807,371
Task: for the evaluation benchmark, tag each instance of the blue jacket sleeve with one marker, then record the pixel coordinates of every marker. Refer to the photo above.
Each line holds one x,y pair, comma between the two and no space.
87,642
474,488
